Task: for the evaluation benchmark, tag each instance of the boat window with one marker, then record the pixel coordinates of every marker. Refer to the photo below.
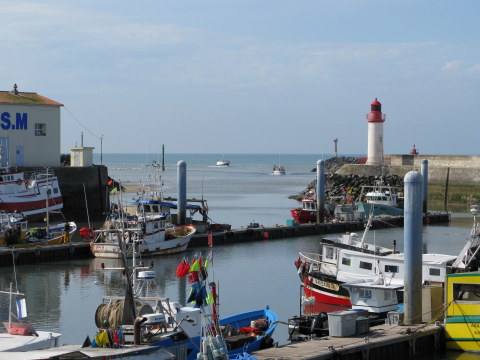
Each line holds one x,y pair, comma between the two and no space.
434,272
155,208
391,268
146,208
1,178
466,292
365,265
346,261
329,253
155,225
365,294
55,191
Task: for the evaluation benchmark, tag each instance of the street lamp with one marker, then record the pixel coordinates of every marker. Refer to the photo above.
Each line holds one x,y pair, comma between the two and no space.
101,149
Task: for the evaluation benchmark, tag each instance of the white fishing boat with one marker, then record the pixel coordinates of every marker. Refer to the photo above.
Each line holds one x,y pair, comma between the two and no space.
147,229
21,336
223,162
30,193
379,199
351,259
278,170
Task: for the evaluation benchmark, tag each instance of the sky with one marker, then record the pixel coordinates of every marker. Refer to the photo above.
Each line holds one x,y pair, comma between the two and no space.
245,76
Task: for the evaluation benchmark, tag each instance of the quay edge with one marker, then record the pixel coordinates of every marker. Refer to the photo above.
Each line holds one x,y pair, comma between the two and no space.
79,249
280,232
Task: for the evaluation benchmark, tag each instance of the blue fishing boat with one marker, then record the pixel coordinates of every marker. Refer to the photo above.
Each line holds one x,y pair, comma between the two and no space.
254,330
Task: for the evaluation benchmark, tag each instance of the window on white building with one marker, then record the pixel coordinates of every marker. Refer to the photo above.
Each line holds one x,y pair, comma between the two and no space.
40,129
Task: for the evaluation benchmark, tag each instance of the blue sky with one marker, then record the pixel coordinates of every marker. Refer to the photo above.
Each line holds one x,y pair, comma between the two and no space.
242,76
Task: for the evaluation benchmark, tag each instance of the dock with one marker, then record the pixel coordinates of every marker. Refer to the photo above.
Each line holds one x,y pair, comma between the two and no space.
382,342
262,233
81,249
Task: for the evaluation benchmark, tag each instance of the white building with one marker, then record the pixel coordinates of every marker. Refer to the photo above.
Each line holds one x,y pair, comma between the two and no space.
29,130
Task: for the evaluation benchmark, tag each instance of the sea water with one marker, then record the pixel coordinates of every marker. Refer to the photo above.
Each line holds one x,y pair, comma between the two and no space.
62,296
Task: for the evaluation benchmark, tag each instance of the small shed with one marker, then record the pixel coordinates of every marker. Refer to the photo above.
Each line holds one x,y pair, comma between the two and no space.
81,156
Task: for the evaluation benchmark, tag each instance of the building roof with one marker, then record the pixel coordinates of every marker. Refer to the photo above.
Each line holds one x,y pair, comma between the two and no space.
29,98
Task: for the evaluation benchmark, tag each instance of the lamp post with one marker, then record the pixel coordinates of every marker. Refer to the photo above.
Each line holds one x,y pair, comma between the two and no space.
101,149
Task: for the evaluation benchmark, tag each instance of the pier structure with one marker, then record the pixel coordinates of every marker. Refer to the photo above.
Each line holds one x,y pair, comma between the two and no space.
81,249
382,342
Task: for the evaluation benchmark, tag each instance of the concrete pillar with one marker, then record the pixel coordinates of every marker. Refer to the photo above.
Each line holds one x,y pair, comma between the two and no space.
320,191
181,192
424,172
413,183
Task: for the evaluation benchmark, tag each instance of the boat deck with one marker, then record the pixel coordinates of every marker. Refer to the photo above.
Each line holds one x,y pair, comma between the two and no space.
382,342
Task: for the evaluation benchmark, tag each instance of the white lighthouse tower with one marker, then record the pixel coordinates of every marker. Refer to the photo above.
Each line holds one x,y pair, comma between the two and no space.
375,134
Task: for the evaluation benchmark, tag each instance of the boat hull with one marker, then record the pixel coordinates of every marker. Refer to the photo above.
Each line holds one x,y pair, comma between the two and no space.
244,320
325,289
379,209
303,216
111,250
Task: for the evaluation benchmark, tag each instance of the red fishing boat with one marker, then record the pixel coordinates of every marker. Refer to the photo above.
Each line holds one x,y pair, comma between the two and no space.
29,193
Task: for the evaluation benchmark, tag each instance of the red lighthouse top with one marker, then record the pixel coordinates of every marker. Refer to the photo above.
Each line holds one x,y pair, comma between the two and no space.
376,115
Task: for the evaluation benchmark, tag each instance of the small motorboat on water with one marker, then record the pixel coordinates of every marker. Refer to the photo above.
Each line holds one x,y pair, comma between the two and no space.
223,163
278,170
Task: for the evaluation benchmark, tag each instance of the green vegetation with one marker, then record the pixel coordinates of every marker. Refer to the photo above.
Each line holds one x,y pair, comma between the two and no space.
459,199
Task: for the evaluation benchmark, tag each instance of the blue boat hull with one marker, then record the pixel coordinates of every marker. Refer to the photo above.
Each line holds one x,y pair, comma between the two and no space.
378,209
244,320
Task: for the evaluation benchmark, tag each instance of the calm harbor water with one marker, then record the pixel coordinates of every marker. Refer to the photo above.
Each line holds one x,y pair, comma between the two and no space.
63,296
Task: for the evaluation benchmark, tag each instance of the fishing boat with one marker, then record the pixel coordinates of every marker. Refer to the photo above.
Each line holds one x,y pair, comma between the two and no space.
278,170
379,199
223,162
350,258
30,193
21,336
308,212
462,315
249,331
147,229
15,232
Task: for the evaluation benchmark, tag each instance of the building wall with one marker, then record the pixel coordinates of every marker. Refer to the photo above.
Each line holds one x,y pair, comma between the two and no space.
17,125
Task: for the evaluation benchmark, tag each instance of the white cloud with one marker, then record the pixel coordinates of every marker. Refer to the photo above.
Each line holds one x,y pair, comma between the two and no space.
451,65
475,69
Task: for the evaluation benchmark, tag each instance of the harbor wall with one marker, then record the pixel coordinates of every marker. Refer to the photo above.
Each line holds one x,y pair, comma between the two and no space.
436,174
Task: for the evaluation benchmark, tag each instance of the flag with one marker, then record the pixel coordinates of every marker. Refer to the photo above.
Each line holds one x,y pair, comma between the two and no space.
113,191
195,265
21,308
208,260
298,262
183,268
210,299
210,240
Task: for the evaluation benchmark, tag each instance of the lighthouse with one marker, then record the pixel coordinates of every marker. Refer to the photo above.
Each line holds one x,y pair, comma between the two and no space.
375,134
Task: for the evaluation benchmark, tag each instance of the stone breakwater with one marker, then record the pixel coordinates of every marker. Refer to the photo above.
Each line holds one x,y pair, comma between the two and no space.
339,185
